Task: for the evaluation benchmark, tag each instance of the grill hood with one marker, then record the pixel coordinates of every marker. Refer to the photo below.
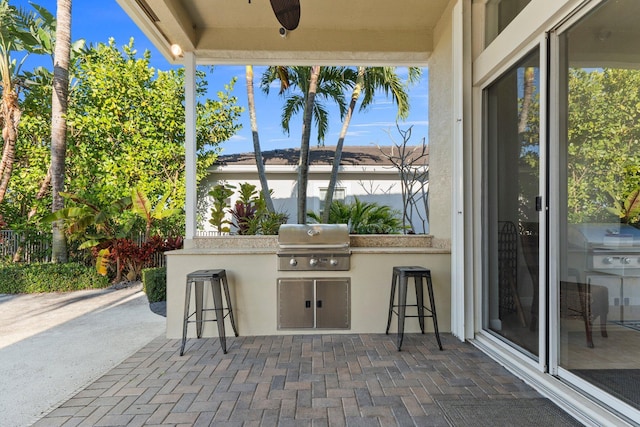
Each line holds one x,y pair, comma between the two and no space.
593,235
313,236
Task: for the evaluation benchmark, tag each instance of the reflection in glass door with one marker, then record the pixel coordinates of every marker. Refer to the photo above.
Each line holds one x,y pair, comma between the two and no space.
511,183
599,194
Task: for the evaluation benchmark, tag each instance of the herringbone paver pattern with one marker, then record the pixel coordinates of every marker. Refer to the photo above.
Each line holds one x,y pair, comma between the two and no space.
310,380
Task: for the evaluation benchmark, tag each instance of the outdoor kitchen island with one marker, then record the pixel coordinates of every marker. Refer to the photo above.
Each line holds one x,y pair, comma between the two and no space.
251,264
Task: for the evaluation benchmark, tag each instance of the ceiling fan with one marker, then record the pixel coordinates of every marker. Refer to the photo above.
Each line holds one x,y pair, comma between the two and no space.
287,12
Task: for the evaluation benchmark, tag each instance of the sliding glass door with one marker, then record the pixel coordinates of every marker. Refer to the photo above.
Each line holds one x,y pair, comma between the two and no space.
598,212
511,177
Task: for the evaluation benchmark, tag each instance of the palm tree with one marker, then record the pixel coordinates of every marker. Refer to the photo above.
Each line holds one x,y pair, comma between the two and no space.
303,163
266,194
312,83
367,82
59,124
19,32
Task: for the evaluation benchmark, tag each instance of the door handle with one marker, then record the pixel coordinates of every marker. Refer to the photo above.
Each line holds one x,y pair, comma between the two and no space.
319,303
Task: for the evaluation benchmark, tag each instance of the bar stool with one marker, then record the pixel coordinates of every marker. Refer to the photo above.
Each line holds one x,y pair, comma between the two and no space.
218,280
401,276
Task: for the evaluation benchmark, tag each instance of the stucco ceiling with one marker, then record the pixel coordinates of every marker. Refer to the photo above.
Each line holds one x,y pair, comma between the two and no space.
347,32
607,37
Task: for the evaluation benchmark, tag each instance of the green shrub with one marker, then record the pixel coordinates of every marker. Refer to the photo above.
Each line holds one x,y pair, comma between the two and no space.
154,283
363,217
47,277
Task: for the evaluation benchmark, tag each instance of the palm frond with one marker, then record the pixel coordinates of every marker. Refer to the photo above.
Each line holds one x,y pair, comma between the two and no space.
321,119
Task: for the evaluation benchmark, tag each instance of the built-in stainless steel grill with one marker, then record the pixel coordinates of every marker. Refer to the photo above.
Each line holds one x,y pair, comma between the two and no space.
609,248
309,247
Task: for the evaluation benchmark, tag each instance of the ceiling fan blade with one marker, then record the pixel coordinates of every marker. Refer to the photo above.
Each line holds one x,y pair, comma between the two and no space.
287,12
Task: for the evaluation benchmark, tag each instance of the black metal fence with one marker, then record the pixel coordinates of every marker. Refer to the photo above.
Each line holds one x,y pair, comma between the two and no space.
36,247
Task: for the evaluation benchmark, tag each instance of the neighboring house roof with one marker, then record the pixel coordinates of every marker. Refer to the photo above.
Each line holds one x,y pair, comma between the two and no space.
351,156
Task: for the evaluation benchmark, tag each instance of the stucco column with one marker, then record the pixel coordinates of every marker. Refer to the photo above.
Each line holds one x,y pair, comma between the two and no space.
190,146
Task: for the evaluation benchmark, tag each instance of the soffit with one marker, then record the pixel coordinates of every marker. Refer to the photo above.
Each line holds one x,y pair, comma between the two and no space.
352,32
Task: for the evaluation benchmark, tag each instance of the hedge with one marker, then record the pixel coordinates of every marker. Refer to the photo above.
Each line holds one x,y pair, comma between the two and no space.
49,277
154,283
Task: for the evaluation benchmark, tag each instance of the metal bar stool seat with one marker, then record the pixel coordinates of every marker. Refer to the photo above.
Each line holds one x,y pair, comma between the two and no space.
400,280
218,281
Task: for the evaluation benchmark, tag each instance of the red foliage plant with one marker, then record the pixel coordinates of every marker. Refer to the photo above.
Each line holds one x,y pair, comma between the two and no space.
131,258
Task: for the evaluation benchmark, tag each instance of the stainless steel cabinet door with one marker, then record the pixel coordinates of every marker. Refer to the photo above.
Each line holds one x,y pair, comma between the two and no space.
295,303
314,303
332,304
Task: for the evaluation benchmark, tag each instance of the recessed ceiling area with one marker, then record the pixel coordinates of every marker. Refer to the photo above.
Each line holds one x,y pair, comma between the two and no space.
353,32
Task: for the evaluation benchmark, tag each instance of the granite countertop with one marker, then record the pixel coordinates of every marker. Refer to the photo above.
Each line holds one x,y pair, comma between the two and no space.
359,244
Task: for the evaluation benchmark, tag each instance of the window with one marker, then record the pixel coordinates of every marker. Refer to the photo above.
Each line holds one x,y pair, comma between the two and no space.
499,13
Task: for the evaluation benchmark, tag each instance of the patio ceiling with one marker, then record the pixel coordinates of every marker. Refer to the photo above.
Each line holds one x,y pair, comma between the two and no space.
353,32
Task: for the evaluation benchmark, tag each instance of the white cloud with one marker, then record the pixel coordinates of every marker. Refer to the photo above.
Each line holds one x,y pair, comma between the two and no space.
374,124
238,138
416,123
358,134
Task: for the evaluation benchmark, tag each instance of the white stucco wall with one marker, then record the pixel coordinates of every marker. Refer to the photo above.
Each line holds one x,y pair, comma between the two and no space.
252,276
441,131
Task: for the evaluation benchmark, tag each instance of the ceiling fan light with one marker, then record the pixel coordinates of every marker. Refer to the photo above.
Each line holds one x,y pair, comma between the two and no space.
176,50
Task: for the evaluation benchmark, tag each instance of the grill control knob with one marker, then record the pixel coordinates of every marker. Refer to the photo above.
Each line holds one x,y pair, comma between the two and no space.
607,260
625,260
313,262
293,262
333,262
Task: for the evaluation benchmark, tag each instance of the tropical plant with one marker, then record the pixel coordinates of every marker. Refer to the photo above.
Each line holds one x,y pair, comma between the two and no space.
247,209
264,221
130,257
363,217
141,206
369,80
269,223
108,231
26,33
249,214
220,193
90,223
59,103
97,227
628,210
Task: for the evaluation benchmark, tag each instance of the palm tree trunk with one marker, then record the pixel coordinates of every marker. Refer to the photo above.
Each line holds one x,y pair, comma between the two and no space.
59,123
11,114
337,158
303,165
266,194
527,98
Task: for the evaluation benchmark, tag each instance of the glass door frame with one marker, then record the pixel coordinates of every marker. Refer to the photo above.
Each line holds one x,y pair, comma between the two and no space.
555,160
540,363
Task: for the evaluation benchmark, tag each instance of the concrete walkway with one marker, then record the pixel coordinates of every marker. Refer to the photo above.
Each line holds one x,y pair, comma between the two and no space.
54,345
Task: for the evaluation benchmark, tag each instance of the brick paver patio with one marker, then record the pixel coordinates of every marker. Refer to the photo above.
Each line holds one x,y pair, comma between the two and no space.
315,380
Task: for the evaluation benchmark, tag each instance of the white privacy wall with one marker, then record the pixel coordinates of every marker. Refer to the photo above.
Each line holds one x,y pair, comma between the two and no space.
368,183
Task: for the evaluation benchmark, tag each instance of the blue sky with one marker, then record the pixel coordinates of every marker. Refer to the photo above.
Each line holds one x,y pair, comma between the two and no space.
97,21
